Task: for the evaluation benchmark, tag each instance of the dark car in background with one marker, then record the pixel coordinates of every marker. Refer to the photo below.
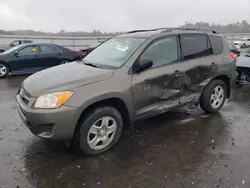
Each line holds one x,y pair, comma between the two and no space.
30,58
12,44
243,70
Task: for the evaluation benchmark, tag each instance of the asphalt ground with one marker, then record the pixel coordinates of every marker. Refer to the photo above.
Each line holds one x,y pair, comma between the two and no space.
185,149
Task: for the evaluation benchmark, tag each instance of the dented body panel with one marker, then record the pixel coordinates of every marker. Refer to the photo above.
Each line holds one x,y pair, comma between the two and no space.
156,90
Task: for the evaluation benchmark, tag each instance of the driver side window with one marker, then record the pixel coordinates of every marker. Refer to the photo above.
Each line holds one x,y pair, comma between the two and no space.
15,43
162,52
28,50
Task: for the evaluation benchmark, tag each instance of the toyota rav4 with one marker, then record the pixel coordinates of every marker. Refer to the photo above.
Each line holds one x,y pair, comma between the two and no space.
129,77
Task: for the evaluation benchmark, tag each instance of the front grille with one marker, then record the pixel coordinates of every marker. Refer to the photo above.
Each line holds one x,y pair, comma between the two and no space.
25,96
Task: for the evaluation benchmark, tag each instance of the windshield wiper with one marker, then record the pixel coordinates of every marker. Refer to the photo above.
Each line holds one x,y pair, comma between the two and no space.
91,64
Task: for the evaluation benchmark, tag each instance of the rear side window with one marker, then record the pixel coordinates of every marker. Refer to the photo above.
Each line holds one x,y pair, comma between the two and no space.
27,41
48,49
194,46
217,44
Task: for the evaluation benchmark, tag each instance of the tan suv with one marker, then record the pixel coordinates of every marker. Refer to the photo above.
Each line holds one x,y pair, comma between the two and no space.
129,77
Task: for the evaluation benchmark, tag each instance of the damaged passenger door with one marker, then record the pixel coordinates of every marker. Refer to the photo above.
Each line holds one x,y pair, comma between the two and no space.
157,88
197,63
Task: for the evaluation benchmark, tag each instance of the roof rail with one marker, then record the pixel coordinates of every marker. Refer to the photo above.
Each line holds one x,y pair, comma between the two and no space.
189,29
167,29
143,30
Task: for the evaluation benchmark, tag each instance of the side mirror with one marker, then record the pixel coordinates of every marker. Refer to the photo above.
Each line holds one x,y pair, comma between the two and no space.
143,65
16,54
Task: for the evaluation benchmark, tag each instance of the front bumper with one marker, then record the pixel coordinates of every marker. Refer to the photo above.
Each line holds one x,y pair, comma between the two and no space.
54,124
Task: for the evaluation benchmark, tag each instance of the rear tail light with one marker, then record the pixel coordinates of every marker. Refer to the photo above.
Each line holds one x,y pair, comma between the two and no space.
79,53
233,55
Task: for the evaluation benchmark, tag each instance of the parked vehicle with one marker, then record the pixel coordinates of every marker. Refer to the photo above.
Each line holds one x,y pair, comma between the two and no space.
235,50
87,49
245,42
243,70
127,78
30,58
13,44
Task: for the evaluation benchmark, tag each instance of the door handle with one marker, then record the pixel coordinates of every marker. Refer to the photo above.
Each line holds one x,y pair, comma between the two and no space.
177,73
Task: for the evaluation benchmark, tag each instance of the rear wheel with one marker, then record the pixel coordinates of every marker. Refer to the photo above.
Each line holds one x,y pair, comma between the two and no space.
243,46
100,130
4,70
213,96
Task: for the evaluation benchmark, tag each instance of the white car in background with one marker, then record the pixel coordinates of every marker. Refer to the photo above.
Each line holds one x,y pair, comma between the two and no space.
13,43
242,43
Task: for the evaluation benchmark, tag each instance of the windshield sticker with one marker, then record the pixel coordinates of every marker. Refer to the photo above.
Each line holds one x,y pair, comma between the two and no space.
122,48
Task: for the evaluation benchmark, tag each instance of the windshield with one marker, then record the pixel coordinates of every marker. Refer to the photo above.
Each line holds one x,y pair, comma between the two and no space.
11,50
114,52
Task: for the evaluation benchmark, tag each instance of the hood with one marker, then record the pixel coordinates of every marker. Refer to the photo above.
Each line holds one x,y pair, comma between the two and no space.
64,77
243,62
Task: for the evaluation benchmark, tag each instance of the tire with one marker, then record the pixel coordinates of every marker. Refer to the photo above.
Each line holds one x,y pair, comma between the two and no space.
65,61
243,46
4,70
97,117
210,105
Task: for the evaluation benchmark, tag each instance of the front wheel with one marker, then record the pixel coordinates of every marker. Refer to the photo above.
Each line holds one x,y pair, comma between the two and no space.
213,96
100,130
4,70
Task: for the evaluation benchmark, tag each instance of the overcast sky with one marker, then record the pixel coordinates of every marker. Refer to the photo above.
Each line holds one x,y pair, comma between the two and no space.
116,15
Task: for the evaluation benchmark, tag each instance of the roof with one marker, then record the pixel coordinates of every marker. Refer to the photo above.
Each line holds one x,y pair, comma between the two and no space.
151,32
40,43
36,43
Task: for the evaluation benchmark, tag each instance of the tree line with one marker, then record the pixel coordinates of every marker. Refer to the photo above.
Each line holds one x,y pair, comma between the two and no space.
238,27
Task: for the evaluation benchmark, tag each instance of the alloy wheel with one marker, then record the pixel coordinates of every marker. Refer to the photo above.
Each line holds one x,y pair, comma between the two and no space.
217,97
3,70
101,133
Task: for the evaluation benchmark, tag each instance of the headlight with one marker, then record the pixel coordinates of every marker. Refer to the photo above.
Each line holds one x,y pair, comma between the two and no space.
53,100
